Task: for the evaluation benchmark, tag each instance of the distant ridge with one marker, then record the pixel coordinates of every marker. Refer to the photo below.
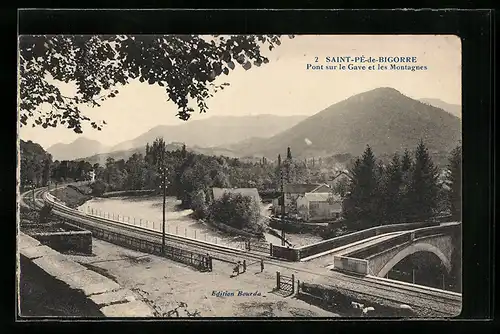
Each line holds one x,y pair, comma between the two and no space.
80,148
215,131
453,109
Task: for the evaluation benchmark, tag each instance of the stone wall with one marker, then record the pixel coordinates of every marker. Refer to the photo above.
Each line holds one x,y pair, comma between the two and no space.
73,239
107,295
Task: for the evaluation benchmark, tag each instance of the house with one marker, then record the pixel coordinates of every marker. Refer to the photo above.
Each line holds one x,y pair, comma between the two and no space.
91,176
293,191
217,193
340,182
319,206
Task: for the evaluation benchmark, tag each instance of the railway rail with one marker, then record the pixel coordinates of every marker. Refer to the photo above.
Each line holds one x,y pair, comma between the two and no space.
440,301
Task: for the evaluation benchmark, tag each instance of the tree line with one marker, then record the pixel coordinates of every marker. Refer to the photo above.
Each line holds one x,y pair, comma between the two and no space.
38,169
409,188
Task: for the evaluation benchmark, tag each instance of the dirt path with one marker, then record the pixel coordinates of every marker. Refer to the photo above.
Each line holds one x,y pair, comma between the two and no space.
169,286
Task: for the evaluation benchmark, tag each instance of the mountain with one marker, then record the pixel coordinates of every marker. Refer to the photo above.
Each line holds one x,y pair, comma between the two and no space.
453,109
383,118
80,148
215,131
125,154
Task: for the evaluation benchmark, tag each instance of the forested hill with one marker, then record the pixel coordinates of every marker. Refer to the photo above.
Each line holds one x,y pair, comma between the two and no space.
383,118
35,163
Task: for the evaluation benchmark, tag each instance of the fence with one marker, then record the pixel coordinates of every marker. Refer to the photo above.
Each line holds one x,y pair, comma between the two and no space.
256,246
199,261
169,229
285,283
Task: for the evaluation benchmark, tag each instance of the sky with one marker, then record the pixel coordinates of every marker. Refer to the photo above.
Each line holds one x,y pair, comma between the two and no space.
284,86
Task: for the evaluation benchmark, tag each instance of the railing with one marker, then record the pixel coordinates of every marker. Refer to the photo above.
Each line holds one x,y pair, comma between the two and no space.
158,226
199,261
261,247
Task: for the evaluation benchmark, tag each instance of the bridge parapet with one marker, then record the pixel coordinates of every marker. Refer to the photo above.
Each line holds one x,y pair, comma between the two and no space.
329,244
351,265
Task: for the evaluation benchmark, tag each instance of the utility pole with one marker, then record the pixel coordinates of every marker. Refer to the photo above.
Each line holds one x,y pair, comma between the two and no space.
282,210
33,193
164,188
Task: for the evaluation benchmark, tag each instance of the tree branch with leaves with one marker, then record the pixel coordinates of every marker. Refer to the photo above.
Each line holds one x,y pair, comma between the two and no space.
185,65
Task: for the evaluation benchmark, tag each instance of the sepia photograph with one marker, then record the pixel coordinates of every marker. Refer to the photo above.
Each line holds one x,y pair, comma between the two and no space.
248,176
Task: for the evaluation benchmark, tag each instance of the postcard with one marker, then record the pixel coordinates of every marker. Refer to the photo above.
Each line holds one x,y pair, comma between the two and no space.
248,176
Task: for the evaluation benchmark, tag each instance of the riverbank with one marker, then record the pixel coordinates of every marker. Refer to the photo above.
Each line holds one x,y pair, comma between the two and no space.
71,197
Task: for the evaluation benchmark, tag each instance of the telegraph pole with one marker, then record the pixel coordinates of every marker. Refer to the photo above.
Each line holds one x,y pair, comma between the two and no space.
33,193
282,210
164,187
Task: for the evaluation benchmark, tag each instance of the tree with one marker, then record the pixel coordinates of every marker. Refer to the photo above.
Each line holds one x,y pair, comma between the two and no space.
288,164
47,170
423,186
392,187
406,162
455,183
362,202
186,65
236,210
199,204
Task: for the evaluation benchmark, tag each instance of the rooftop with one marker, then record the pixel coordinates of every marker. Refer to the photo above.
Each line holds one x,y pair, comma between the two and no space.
301,188
252,192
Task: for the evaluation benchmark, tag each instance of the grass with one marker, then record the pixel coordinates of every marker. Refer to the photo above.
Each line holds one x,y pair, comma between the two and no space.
71,197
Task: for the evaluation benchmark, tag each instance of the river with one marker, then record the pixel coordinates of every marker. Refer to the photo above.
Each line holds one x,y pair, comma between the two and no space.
147,211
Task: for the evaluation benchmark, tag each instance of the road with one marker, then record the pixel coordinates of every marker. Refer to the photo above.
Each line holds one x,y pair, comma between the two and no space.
424,300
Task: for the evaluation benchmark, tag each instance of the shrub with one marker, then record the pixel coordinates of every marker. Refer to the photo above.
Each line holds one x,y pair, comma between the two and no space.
236,210
198,204
99,187
45,214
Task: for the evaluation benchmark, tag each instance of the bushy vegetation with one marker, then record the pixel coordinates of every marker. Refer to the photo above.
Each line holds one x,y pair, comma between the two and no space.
45,214
236,210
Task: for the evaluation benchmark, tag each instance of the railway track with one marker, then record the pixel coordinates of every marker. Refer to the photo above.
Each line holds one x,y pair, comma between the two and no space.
418,296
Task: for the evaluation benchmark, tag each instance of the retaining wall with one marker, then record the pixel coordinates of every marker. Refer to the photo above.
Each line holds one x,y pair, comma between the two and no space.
127,193
74,239
111,299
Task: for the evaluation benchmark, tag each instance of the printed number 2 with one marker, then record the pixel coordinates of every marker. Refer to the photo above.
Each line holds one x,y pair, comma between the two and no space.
316,59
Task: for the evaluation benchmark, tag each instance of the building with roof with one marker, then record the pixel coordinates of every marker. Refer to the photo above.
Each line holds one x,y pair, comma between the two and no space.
319,206
251,192
293,191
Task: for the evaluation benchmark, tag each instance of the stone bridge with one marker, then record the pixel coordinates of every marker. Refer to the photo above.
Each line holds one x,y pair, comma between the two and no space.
380,258
440,245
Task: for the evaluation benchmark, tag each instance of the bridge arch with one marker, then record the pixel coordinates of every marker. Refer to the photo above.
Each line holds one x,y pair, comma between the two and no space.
412,249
